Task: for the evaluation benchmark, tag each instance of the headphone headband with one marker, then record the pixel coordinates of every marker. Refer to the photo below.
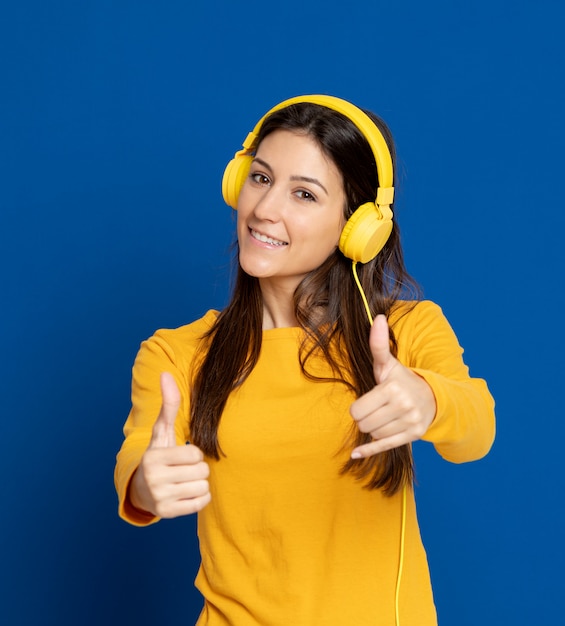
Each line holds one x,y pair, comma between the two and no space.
374,137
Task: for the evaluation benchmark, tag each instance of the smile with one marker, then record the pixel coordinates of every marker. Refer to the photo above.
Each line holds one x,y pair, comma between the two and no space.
265,239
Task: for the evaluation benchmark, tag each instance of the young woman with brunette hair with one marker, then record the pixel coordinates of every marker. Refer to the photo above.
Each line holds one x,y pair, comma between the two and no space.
299,409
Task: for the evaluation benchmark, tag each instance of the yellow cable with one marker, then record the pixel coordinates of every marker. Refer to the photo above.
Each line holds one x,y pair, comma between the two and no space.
401,559
403,520
354,267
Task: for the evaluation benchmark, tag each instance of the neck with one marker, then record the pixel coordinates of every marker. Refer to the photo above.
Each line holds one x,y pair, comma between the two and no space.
278,305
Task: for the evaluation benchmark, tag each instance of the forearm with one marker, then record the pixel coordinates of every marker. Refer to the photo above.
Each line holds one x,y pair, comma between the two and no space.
464,426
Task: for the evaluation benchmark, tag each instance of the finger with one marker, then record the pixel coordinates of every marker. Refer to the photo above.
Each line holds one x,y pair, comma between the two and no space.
189,473
183,507
384,406
369,404
379,341
164,428
186,455
382,445
181,491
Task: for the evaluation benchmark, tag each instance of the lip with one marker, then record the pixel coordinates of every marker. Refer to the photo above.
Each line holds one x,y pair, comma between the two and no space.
266,244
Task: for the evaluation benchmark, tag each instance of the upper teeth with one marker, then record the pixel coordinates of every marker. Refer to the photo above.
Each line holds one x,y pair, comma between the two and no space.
266,239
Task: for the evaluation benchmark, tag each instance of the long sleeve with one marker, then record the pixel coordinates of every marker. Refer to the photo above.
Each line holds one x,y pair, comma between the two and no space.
464,425
166,351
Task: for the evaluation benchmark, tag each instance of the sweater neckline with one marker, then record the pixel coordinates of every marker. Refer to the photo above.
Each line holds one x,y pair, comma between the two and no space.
282,333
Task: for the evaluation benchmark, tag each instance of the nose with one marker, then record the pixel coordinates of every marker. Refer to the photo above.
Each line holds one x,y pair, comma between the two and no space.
269,204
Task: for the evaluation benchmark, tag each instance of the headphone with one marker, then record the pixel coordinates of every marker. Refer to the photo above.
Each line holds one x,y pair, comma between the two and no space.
369,227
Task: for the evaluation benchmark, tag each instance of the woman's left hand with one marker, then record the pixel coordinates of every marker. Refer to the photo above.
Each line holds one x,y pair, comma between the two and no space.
400,408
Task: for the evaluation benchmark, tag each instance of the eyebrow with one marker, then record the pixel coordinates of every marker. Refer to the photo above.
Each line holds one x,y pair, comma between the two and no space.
306,179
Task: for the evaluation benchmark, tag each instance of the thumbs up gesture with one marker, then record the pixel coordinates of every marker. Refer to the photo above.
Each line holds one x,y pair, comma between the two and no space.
400,408
171,480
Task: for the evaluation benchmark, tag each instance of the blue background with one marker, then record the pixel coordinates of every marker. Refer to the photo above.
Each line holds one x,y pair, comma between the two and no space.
117,119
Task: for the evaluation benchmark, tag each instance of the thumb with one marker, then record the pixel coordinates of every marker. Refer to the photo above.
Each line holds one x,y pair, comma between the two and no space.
379,341
164,428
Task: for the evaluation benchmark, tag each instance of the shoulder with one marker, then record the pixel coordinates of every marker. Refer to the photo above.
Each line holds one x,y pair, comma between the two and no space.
407,314
189,333
178,345
422,331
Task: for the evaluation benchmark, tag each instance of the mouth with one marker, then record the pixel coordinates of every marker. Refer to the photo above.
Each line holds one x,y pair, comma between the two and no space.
265,239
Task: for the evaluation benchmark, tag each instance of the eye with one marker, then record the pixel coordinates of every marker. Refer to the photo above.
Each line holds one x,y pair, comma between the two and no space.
259,178
306,195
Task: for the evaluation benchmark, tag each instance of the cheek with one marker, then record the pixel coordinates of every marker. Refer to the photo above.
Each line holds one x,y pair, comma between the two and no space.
324,241
242,213
323,232
241,229
245,207
334,230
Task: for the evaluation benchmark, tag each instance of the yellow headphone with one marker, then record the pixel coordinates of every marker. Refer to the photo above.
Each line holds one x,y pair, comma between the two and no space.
368,229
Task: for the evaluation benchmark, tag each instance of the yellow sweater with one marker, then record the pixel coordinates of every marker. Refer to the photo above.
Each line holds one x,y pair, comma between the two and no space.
286,540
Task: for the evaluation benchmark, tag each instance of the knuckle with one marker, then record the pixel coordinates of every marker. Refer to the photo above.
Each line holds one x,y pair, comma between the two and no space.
420,430
193,453
203,469
197,488
415,420
201,502
162,510
364,428
408,407
196,504
383,447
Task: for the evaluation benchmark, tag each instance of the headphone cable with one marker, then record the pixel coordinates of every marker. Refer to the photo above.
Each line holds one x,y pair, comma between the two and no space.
403,519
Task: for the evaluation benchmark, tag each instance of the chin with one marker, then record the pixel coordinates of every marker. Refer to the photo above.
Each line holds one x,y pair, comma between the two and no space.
251,269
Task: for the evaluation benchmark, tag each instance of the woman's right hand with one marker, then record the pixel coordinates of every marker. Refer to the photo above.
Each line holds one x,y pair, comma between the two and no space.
171,480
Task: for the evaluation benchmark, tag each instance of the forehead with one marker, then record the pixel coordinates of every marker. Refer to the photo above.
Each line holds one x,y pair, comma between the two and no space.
294,149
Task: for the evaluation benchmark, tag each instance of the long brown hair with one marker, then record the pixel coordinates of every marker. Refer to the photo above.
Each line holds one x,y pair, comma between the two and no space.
327,304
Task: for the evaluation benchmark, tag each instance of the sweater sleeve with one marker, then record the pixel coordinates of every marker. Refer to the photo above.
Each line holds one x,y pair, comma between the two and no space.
170,351
464,426
156,355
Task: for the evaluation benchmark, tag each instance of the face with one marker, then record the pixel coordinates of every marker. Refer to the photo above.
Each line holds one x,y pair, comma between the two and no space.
290,210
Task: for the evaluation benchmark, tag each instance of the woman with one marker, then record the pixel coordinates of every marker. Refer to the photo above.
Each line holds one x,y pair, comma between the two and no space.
301,411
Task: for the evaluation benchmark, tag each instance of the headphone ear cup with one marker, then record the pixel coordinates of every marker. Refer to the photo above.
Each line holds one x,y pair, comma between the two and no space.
234,176
365,232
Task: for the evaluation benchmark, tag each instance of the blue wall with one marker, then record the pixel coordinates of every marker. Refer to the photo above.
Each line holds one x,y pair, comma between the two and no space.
117,119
